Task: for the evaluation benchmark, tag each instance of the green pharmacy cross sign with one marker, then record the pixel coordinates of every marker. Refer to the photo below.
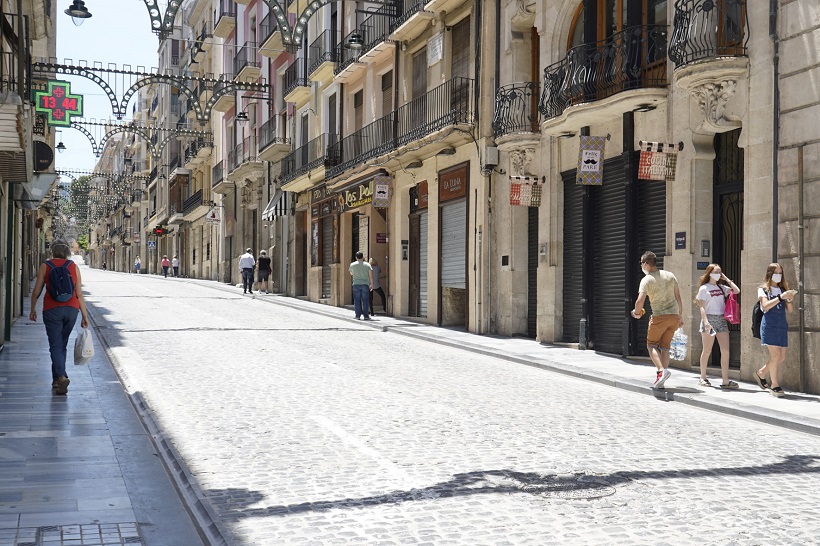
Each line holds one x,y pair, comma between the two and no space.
58,103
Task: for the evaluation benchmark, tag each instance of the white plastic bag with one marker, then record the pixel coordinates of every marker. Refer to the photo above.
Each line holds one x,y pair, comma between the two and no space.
83,347
678,349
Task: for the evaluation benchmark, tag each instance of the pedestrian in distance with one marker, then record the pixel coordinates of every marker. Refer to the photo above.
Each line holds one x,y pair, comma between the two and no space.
362,284
775,300
376,286
714,289
137,265
175,265
661,287
165,265
263,270
246,264
103,265
59,317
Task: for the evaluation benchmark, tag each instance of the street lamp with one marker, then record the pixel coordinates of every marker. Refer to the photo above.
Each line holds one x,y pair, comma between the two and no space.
355,42
78,12
241,117
60,147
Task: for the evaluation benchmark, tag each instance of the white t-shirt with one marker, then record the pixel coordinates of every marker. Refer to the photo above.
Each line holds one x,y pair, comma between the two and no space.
761,293
714,297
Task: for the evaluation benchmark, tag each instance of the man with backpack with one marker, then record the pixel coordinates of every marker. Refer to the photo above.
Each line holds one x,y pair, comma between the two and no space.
62,302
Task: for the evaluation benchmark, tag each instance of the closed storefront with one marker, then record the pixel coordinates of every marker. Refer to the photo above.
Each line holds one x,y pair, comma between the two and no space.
418,249
453,246
324,249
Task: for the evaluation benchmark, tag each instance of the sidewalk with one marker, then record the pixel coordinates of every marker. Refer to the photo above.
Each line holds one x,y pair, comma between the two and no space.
81,468
796,411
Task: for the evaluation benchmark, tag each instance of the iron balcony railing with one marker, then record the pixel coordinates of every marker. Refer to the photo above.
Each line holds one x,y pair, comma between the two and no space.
346,56
217,174
634,58
242,153
323,50
153,174
267,135
174,163
268,26
15,66
227,8
411,7
314,154
376,28
516,109
245,56
295,76
451,103
373,140
708,29
192,202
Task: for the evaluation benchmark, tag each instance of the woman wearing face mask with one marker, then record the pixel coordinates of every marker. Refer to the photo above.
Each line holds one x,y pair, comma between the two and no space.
775,300
711,298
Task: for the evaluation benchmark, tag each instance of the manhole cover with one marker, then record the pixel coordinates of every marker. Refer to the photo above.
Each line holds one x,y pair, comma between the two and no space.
563,486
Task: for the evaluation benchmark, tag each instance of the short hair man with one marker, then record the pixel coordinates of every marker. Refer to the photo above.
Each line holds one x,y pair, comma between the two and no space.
246,264
263,269
667,313
362,284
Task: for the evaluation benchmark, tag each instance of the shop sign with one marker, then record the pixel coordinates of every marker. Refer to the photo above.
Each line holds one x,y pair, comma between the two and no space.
381,192
319,194
452,184
422,194
355,196
58,103
658,161
381,237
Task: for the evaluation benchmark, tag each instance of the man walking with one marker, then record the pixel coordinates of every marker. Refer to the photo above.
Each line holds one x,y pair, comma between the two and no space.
246,263
667,313
362,283
175,265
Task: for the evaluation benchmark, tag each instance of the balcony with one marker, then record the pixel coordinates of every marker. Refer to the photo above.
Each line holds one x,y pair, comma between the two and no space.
446,6
516,111
218,182
271,147
205,38
245,65
224,19
296,82
271,45
225,95
709,48
323,56
175,208
375,32
597,81
196,153
195,206
316,156
348,66
412,22
447,106
243,161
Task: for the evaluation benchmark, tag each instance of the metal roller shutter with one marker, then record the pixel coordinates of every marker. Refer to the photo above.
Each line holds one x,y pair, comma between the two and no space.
532,271
609,251
454,245
423,238
573,259
327,254
651,236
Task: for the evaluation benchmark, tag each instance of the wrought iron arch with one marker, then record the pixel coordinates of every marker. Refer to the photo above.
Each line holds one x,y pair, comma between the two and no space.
177,81
97,149
282,20
48,68
300,28
162,24
141,131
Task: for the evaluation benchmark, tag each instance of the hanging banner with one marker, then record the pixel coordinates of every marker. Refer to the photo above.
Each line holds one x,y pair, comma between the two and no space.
658,161
524,194
591,161
381,192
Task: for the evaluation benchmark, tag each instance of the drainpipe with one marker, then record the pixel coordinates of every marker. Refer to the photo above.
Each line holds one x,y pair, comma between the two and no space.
9,264
775,121
801,266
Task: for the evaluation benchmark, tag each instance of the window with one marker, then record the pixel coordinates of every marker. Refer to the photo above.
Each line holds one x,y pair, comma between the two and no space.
387,93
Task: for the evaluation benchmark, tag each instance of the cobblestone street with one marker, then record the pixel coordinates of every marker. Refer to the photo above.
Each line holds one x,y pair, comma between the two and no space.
303,429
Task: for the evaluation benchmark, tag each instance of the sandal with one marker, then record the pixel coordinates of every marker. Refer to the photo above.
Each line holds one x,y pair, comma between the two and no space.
730,385
704,383
761,381
778,392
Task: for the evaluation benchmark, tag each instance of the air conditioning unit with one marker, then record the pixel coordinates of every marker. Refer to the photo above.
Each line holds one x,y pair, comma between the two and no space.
490,156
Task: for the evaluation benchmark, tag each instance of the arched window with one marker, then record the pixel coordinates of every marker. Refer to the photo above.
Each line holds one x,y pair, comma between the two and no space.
612,18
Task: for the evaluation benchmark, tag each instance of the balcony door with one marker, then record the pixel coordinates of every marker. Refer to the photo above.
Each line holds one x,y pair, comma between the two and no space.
418,107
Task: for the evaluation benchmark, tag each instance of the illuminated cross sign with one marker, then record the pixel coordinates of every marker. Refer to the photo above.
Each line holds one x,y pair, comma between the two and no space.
58,103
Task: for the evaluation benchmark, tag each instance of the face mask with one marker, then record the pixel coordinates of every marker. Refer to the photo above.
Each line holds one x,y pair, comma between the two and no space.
715,276
777,277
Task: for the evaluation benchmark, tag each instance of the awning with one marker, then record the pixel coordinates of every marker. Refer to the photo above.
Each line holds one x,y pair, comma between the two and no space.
32,193
278,205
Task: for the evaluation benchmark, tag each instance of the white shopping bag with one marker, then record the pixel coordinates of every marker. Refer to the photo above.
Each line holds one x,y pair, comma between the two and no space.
83,347
678,349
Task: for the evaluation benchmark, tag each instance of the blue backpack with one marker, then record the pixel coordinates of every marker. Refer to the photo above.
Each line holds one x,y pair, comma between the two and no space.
60,283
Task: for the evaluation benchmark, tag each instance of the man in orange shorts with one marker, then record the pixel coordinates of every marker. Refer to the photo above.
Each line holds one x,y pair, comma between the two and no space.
662,289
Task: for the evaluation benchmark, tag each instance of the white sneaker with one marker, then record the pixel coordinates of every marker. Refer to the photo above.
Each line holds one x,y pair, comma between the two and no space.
661,379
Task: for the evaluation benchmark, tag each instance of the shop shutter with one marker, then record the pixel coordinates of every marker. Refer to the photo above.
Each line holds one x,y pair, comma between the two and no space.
327,254
454,245
532,271
651,236
572,259
609,262
423,239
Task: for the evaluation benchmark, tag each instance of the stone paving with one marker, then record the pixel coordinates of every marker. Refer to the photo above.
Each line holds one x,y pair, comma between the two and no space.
296,427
